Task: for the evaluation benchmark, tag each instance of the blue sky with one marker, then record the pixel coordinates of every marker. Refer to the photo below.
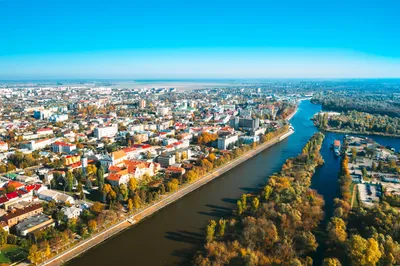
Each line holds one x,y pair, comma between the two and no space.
198,39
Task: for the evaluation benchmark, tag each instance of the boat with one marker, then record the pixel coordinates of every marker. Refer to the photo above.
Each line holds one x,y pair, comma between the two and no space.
336,147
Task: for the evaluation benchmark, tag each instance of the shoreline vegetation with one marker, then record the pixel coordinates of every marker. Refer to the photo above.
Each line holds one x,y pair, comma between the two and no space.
369,101
353,122
361,236
194,179
358,132
275,226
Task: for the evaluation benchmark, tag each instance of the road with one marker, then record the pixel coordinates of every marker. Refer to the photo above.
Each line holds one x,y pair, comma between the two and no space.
164,201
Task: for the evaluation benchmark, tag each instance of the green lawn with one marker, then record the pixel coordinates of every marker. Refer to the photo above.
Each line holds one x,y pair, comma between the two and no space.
11,253
355,200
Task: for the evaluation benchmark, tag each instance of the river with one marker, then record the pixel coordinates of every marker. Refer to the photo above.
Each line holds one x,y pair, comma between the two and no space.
171,236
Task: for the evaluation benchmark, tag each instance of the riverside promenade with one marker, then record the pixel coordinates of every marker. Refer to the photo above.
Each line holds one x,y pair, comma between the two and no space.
165,200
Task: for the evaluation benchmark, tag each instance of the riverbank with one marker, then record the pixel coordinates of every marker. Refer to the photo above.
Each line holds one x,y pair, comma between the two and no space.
292,114
340,131
251,226
85,245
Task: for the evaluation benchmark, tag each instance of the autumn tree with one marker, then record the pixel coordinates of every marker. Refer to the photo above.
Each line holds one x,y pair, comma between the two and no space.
46,249
92,226
331,262
211,231
337,230
206,138
173,185
109,192
137,202
132,184
130,205
255,204
363,252
97,208
34,254
239,206
221,227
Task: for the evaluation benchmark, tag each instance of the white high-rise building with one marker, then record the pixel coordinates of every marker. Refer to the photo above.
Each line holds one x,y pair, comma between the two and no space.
109,131
162,111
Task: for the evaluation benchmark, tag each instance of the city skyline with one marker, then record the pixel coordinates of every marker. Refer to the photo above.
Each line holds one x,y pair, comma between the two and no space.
180,39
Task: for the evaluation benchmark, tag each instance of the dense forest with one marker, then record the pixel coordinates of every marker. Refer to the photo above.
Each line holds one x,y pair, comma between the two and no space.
375,102
275,226
353,121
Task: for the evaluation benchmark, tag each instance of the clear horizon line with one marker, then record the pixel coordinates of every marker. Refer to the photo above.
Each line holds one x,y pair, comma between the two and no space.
202,78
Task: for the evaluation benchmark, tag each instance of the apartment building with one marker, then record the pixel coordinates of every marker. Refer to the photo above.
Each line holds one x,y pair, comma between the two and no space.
18,215
106,131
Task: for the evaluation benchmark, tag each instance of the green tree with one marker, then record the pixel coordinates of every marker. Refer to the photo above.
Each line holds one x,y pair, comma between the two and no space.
255,204
210,231
267,192
3,237
162,189
240,209
79,189
244,201
221,227
124,191
69,180
364,172
100,177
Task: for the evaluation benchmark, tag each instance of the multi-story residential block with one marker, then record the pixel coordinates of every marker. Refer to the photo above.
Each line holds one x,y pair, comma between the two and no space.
162,111
58,118
63,147
166,159
106,131
42,132
36,144
226,142
249,123
17,215
42,114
